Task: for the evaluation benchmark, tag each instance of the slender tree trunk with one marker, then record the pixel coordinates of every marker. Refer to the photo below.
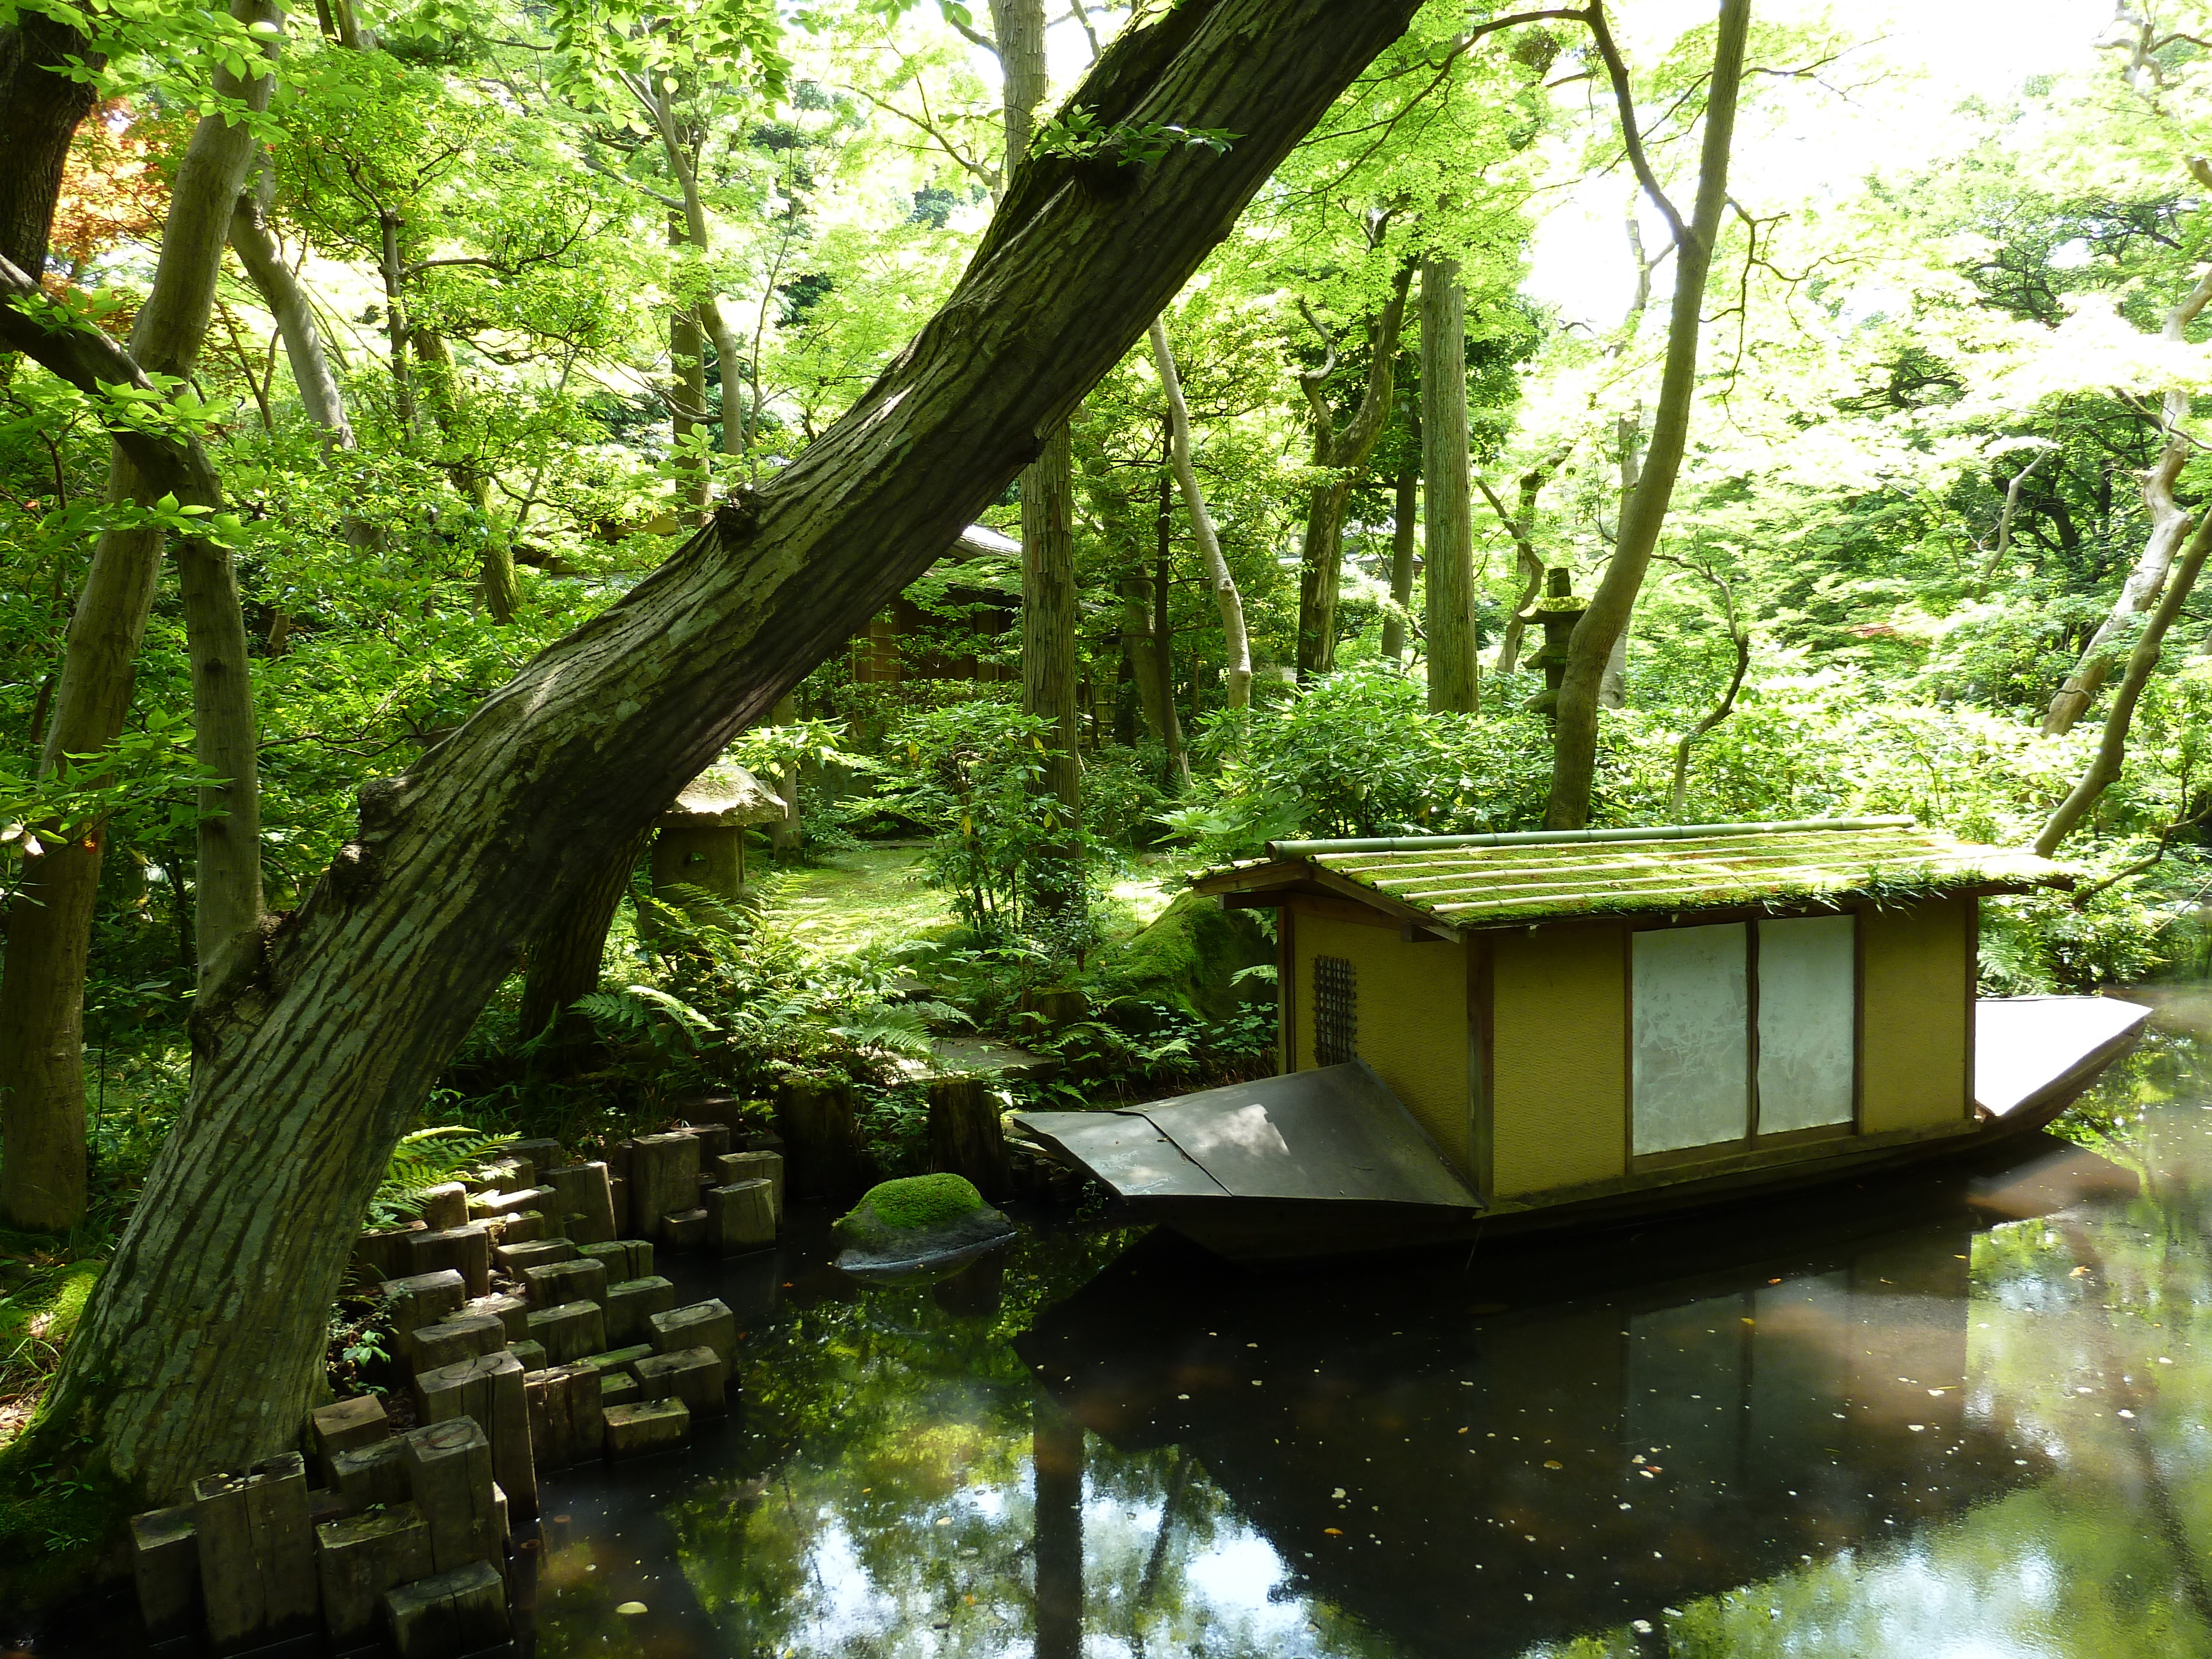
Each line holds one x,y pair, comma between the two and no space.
1455,673
1574,754
393,269
1628,431
687,345
39,112
1344,452
2105,766
1163,663
706,306
1056,1468
1405,544
448,401
42,1179
287,302
783,833
1136,649
206,1335
1521,526
2168,524
1237,678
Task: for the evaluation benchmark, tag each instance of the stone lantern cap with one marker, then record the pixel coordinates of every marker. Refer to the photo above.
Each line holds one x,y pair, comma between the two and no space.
723,797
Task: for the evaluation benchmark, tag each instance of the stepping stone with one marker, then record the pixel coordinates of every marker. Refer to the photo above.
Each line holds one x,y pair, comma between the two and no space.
664,1179
368,1475
443,1206
449,1341
568,1416
530,1356
346,1425
631,1304
741,1217
464,1249
487,1390
582,1280
582,1202
626,1258
685,1229
713,1139
618,1388
523,1227
257,1554
165,1560
446,1616
449,1466
622,1360
703,1324
570,1331
384,1250
510,1311
424,1298
648,1426
697,1377
519,1257
734,1167
360,1557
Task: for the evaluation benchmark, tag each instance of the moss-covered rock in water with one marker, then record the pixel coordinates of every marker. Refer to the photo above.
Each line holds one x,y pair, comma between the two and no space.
921,1223
1189,959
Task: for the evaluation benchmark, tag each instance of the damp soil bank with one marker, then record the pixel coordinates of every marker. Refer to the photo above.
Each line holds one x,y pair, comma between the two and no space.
1865,1421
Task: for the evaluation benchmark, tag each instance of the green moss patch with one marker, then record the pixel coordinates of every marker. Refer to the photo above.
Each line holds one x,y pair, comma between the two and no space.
1189,959
913,1203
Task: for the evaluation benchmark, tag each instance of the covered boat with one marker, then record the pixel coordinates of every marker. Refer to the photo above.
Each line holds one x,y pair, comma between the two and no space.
1531,1030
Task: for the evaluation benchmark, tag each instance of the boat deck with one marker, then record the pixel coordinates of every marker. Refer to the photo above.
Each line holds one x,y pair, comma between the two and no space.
2033,1054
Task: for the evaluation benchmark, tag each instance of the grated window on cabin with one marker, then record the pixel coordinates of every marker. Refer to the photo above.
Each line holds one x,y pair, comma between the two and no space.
1336,1011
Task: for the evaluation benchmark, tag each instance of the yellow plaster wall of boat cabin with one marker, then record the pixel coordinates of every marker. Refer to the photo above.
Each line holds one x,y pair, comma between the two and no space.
1914,1068
1558,1077
1410,1019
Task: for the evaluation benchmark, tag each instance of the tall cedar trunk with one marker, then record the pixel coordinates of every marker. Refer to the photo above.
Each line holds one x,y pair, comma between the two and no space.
42,1177
1613,685
39,112
565,953
1405,543
1344,452
1455,676
2103,768
687,345
1574,740
1237,678
448,400
1049,689
1056,1466
205,1337
1137,651
1049,617
2168,524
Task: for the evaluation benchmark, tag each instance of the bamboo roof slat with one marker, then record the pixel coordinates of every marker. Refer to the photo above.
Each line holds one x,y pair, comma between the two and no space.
1670,868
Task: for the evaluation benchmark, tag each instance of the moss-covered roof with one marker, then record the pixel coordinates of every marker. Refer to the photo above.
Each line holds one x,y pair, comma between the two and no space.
1471,880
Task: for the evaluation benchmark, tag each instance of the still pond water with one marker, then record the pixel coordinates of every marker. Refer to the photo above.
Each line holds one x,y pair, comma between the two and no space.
1951,1414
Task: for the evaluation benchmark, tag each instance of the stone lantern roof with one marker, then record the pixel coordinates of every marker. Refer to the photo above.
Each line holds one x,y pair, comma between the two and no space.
722,796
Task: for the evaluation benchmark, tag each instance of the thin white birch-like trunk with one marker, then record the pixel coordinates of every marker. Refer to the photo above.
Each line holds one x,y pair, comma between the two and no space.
1237,678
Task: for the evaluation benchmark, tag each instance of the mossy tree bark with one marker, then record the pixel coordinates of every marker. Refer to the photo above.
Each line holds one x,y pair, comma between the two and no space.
42,1179
205,1338
39,112
564,957
1574,752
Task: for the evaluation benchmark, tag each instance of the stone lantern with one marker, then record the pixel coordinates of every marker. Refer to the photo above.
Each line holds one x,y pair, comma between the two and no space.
699,841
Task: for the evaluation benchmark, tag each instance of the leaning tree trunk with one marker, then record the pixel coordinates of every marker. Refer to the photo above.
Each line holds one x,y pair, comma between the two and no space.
204,1340
42,1179
287,303
2168,524
1574,738
1455,676
1237,678
2105,766
1343,451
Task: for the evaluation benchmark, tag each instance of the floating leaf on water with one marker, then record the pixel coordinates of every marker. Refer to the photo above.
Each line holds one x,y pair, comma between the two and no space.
630,1609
